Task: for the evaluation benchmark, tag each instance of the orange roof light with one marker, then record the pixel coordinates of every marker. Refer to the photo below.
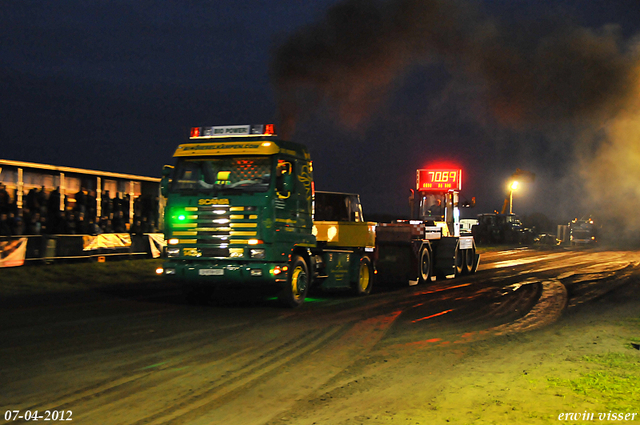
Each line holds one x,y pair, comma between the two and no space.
233,131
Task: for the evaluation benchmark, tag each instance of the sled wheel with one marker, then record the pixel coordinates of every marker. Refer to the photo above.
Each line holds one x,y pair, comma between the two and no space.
364,282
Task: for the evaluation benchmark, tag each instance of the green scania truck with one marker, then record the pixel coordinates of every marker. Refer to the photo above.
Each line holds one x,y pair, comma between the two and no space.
241,210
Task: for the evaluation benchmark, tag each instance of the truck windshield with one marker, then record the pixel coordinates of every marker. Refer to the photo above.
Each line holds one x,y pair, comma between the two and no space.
432,207
247,174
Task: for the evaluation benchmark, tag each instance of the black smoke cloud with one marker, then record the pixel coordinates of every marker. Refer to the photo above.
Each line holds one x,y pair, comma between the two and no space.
576,86
530,73
351,57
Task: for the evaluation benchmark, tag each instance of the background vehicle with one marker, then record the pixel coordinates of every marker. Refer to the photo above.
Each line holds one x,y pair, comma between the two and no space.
432,242
494,228
583,231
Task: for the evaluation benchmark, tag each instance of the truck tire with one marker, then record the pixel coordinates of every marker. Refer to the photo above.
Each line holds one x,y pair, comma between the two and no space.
424,266
297,287
476,263
469,260
364,282
459,261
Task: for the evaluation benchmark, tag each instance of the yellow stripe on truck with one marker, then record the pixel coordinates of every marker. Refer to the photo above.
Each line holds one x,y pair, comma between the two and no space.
345,234
227,148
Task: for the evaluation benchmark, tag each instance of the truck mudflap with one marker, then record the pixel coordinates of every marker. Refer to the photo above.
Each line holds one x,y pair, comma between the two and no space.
466,242
446,258
455,256
395,258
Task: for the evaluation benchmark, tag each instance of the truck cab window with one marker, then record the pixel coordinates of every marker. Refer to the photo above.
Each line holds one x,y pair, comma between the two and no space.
284,177
227,173
337,207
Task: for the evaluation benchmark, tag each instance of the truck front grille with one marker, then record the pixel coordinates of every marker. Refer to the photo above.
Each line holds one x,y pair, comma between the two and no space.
215,230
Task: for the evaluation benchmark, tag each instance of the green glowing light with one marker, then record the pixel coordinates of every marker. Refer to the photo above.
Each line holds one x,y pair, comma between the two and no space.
306,300
181,217
314,300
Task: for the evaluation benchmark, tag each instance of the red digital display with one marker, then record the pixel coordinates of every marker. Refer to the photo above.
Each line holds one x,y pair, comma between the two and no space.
438,180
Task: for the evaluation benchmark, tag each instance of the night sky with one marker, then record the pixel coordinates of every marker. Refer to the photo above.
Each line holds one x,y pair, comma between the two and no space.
376,89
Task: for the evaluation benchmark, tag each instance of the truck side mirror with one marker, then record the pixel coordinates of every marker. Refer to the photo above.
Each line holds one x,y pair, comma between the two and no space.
166,179
471,204
284,181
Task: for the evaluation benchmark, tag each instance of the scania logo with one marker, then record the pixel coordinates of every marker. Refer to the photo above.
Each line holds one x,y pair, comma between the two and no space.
214,201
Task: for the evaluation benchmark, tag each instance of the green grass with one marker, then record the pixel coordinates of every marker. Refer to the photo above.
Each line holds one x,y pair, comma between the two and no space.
612,380
60,277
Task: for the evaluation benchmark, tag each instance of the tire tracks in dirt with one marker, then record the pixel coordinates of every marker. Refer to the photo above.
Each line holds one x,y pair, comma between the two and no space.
337,346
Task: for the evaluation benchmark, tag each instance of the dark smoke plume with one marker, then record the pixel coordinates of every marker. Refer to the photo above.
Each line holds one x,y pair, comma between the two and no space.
350,59
352,56
570,73
568,82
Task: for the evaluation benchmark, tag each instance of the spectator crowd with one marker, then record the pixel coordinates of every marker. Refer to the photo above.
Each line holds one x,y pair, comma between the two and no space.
41,213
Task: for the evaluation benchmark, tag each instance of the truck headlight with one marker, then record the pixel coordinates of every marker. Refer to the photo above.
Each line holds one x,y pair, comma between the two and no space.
169,271
173,252
257,253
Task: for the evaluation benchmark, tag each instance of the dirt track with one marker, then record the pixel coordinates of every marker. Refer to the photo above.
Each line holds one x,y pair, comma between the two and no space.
474,350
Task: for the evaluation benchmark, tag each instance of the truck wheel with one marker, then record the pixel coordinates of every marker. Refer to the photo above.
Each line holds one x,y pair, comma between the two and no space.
363,285
469,259
425,266
476,262
459,261
295,291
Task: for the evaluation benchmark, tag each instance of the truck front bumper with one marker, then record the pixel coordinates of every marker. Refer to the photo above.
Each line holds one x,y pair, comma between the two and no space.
212,272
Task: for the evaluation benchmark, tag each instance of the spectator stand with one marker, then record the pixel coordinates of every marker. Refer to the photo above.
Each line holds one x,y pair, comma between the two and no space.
50,213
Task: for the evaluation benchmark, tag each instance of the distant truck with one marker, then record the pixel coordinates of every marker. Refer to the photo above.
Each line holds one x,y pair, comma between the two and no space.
242,210
583,231
494,228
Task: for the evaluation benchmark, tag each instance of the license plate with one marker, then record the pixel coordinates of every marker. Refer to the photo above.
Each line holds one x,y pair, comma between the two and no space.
211,272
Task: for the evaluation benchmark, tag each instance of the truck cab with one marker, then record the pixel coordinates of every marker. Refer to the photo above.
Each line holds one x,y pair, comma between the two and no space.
239,208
